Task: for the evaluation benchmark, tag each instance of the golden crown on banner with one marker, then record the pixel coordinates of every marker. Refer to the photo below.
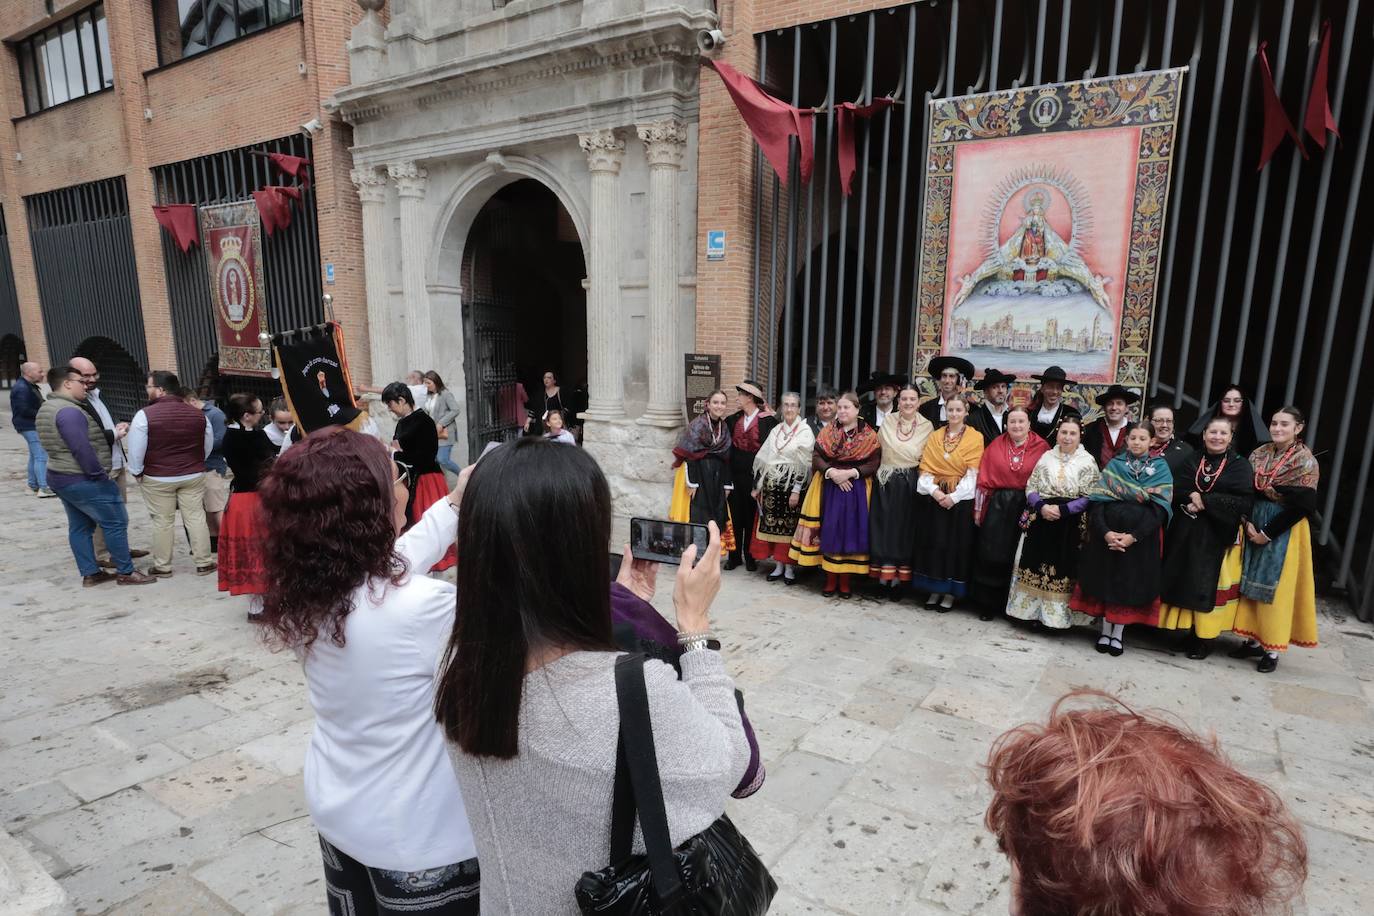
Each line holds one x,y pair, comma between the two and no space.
231,244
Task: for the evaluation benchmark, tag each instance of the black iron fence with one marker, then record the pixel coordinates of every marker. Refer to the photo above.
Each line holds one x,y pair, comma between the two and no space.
1264,277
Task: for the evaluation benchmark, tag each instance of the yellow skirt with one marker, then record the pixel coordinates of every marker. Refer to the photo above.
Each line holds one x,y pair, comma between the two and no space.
1292,616
680,508
806,542
1210,624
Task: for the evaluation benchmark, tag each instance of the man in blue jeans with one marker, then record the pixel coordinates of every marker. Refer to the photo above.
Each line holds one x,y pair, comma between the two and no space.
79,471
25,399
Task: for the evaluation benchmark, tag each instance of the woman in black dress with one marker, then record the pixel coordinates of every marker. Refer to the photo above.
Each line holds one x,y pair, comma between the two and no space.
944,545
1248,429
249,453
415,445
703,455
997,507
1166,444
892,517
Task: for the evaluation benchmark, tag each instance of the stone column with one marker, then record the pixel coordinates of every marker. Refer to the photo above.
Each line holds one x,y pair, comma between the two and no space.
419,336
605,331
381,326
664,142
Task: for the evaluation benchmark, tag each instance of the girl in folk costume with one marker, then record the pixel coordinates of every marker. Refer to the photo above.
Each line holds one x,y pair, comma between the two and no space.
1047,559
701,486
781,469
1118,577
415,446
1278,603
892,521
1200,577
997,507
832,532
944,509
249,453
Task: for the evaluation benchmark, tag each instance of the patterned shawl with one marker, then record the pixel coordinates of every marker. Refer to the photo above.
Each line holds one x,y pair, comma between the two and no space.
1060,476
1295,466
899,454
704,437
966,456
835,446
784,459
1136,480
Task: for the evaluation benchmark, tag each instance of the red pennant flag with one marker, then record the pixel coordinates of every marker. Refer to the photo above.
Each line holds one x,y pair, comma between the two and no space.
296,166
274,208
180,221
771,121
1276,123
844,116
1319,116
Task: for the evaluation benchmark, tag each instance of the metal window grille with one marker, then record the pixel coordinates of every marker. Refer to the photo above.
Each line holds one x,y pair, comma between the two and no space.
1258,284
291,257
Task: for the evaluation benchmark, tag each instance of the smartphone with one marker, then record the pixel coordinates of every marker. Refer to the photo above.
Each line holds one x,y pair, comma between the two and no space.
664,541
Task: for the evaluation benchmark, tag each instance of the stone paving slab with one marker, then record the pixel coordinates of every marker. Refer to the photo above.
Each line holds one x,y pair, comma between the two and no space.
151,747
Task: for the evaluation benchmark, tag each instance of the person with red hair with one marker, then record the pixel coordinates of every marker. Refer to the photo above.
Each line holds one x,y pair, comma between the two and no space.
1108,812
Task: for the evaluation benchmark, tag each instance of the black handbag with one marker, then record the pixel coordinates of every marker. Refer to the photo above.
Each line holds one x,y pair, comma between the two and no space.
715,873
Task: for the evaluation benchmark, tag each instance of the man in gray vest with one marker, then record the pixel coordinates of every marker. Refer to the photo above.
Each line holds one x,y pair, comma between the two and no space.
114,434
168,443
79,472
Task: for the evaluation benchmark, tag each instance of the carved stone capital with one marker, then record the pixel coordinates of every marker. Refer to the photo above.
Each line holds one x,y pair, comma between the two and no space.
664,142
604,148
410,178
371,185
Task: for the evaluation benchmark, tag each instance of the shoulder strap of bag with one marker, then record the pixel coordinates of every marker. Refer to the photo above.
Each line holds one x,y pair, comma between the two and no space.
622,808
637,738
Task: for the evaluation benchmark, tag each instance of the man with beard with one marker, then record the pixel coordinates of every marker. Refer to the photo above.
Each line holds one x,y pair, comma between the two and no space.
1107,436
950,374
885,386
1047,408
989,417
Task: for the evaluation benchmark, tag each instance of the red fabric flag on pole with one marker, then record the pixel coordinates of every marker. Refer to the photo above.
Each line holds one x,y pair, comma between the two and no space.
1276,123
296,166
844,116
1319,117
274,208
180,221
771,121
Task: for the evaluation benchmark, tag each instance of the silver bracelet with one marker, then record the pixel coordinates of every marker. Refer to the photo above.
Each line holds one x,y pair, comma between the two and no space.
683,638
695,644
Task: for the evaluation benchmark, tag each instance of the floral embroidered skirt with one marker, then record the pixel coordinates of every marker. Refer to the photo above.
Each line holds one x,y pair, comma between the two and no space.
1046,571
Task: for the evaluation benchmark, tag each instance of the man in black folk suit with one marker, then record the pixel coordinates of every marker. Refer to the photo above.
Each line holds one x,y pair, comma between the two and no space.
884,386
951,374
1047,408
749,426
824,413
989,417
1106,437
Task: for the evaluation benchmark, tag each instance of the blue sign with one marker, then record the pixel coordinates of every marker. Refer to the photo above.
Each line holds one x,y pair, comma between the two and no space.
329,274
715,244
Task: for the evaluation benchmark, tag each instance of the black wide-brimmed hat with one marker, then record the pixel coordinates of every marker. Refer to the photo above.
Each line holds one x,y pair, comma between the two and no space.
879,378
1116,391
993,377
1055,374
941,363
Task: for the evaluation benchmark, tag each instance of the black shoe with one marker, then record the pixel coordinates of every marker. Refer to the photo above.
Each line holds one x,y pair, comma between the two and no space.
1200,649
751,565
844,596
1247,650
1115,649
828,594
932,602
894,593
732,562
1267,664
1104,643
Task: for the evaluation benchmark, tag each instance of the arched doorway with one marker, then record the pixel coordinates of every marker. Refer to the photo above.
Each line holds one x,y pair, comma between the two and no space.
524,309
121,379
12,356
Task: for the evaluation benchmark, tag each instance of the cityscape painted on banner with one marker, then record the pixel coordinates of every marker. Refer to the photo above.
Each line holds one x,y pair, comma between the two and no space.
1044,217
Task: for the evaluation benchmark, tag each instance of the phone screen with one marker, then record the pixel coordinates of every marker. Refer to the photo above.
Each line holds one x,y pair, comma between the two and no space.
663,541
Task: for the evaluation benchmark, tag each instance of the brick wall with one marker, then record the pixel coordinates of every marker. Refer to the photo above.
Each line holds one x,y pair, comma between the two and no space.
234,96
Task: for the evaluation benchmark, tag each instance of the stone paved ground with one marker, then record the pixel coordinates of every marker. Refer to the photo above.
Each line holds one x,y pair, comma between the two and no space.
151,750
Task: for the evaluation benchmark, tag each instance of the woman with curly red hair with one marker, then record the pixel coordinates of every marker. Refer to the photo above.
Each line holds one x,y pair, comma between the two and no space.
1107,812
346,591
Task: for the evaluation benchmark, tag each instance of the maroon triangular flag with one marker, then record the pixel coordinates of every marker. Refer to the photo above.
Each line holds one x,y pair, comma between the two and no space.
845,114
771,121
1276,123
180,221
1319,116
297,167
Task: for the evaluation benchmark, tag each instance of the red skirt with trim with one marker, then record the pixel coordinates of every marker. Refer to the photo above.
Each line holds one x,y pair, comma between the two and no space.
1115,613
429,489
241,536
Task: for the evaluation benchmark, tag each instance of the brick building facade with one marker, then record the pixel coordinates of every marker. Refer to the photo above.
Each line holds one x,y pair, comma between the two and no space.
169,99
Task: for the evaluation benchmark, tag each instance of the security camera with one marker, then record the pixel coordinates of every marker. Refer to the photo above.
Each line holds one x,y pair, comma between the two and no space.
311,127
710,41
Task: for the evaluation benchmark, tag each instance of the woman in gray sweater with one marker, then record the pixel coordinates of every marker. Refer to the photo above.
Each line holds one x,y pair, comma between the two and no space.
527,690
442,405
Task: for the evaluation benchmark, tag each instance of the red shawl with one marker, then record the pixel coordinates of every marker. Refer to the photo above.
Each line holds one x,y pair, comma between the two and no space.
997,473
835,446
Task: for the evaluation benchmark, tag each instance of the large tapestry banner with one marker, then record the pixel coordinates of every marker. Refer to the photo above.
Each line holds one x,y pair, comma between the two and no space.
232,240
1043,228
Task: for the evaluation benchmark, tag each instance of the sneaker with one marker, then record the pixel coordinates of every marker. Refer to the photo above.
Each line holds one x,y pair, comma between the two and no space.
159,573
136,578
206,570
95,579
46,493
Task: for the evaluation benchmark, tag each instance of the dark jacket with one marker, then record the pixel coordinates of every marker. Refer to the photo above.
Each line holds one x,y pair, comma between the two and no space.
25,399
1050,431
931,411
981,419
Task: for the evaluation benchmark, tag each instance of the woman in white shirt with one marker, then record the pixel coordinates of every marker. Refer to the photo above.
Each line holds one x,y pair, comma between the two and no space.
348,594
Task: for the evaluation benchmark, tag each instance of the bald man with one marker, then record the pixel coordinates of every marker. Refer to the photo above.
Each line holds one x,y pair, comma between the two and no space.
114,434
25,398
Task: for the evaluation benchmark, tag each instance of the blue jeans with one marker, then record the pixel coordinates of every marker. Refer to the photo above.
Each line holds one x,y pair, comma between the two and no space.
38,460
446,459
90,503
